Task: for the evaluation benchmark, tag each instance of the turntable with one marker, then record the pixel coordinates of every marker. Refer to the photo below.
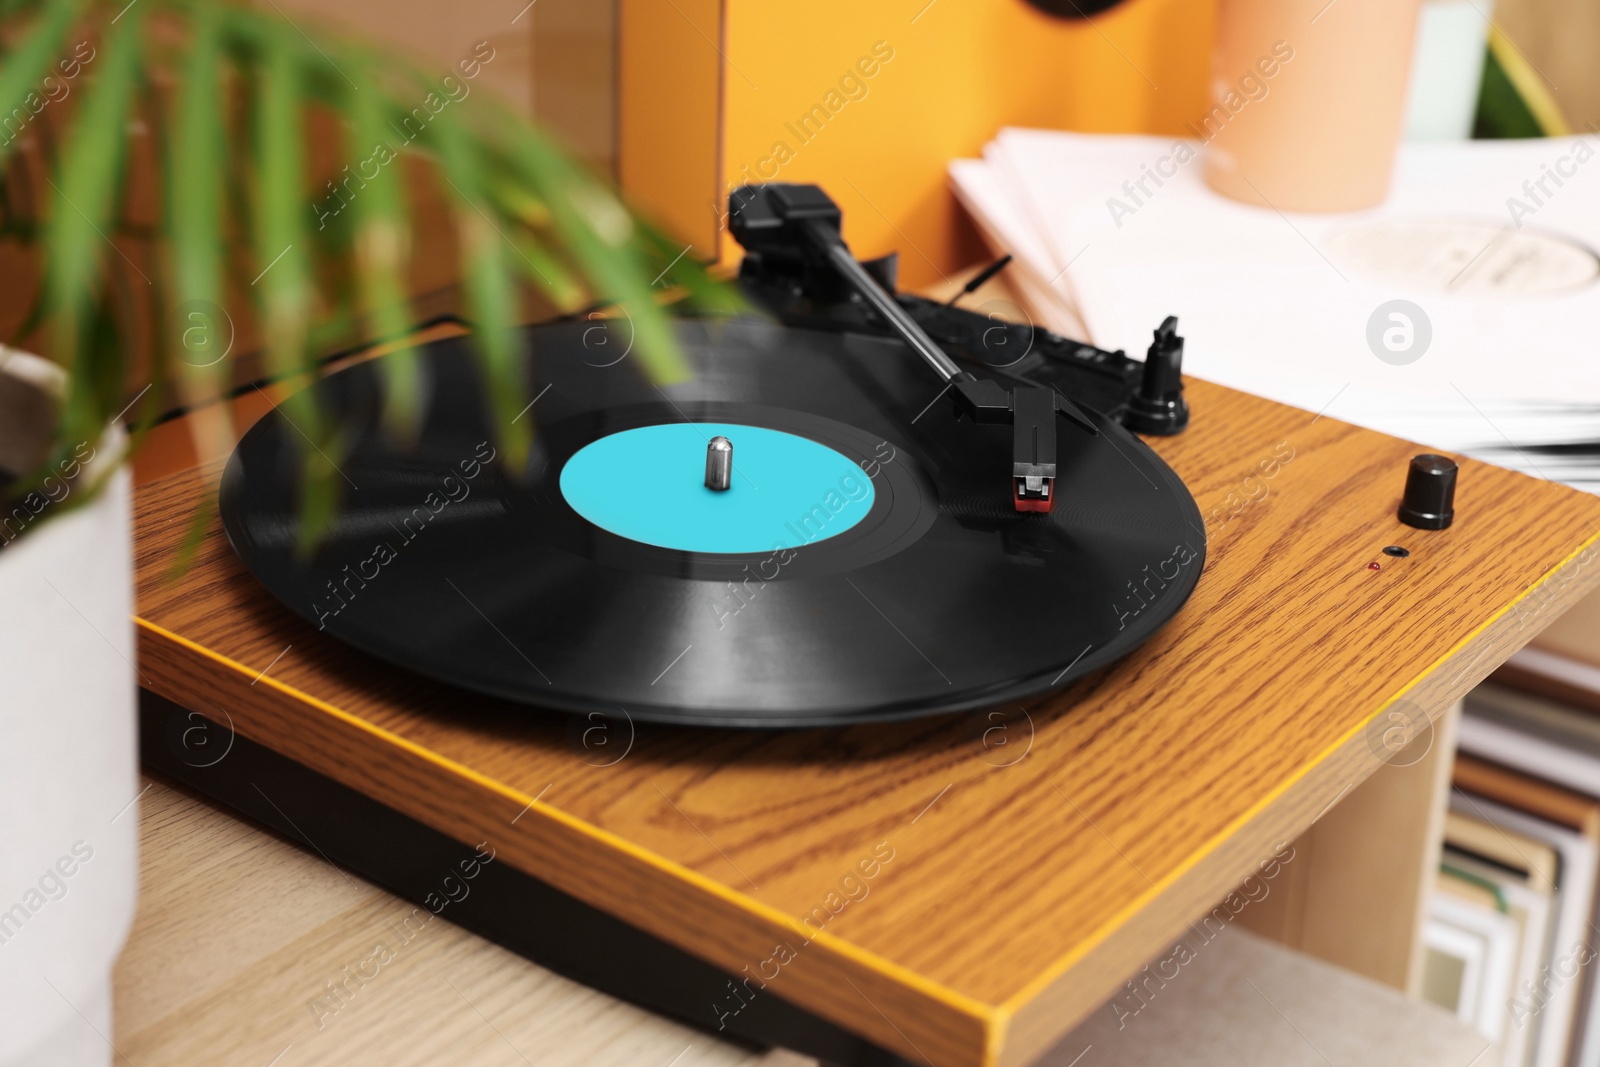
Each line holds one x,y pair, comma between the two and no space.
941,538
1029,691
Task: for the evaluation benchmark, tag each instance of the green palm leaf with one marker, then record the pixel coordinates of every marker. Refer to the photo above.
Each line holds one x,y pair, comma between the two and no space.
382,239
26,67
491,298
284,284
194,170
602,237
527,218
76,239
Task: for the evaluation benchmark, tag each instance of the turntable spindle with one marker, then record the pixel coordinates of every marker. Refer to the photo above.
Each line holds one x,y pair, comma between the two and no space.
719,463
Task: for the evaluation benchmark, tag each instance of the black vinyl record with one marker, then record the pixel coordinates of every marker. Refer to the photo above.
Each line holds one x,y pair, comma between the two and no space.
939,597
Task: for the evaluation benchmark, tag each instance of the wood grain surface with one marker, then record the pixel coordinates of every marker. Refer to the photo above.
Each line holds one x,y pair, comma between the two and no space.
248,950
1023,863
1358,890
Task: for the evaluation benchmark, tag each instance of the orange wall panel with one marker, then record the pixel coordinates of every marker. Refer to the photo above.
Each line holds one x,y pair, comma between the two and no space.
669,112
944,76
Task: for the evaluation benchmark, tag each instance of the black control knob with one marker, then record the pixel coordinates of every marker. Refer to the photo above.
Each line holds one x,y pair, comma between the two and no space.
1430,500
1158,407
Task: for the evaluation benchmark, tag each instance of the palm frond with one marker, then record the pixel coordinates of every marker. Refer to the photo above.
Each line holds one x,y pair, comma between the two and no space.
527,217
25,68
603,238
76,241
490,294
382,241
284,286
195,168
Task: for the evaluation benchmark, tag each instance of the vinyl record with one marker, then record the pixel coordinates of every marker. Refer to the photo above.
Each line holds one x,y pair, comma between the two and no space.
865,562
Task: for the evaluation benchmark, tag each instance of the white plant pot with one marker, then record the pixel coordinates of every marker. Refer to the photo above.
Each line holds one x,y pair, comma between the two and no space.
69,822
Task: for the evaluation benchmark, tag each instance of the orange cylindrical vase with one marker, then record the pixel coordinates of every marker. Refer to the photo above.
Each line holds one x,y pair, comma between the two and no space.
1308,101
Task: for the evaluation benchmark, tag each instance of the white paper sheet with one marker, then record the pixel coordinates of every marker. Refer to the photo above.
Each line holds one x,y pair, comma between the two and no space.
1479,236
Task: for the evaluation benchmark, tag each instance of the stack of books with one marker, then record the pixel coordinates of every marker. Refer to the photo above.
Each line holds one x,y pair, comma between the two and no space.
1510,936
1459,313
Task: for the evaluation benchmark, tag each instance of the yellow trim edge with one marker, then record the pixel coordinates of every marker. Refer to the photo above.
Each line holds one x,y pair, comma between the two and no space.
1051,974
961,1002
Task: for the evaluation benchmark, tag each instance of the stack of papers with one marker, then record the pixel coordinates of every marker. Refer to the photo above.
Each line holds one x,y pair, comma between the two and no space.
1461,313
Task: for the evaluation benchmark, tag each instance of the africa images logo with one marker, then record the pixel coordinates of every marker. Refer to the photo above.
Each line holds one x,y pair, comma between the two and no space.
1149,587
452,490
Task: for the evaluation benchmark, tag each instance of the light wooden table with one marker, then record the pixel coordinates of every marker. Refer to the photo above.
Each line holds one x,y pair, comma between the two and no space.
239,934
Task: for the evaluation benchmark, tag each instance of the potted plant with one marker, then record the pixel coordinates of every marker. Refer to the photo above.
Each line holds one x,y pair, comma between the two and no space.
141,242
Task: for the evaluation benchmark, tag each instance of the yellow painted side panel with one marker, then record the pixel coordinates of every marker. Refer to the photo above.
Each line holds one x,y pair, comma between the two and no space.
955,72
669,100
872,98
